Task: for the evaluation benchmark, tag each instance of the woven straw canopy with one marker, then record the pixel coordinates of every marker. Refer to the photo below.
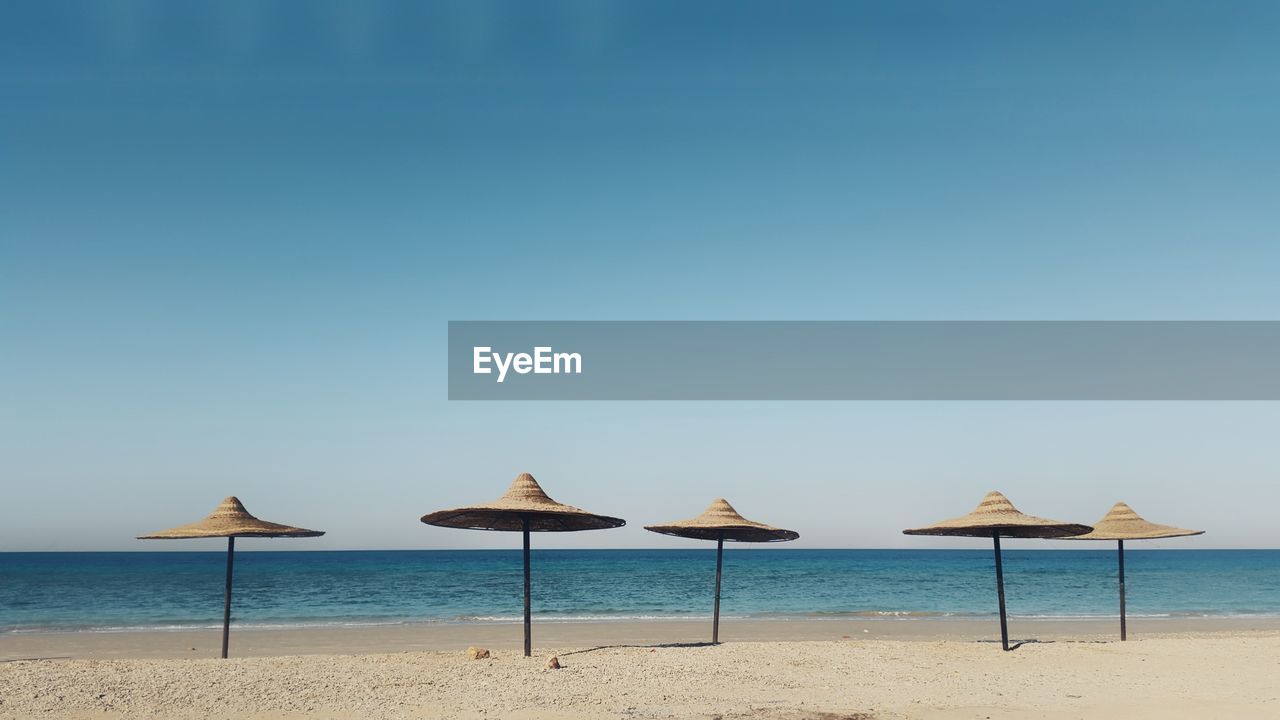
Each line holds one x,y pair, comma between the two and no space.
720,520
524,499
996,514
230,519
1122,523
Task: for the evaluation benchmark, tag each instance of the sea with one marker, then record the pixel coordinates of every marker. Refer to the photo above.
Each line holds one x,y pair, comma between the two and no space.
147,591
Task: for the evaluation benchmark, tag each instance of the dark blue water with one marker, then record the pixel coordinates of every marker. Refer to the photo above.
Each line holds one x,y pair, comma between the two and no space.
113,591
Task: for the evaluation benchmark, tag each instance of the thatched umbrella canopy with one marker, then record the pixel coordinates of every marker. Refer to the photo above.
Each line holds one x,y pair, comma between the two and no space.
230,520
1122,523
720,522
524,507
995,517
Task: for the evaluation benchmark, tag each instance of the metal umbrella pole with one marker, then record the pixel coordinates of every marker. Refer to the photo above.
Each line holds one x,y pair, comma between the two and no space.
715,622
528,613
226,596
1124,634
1004,624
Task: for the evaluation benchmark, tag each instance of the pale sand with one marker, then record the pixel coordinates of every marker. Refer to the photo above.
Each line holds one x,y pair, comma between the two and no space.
1173,669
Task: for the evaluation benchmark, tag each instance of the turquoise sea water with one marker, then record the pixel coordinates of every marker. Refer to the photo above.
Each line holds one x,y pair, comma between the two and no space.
177,590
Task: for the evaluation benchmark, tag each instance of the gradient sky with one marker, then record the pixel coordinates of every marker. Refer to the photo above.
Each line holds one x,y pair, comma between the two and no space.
231,235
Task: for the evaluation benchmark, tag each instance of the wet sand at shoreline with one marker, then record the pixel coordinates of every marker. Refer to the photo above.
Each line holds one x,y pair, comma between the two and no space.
429,637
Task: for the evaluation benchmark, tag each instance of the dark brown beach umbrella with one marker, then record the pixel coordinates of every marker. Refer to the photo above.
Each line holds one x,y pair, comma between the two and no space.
524,507
720,522
230,520
1122,523
995,517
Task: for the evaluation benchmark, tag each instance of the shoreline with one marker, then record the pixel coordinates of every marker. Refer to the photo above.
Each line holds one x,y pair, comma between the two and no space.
507,637
413,624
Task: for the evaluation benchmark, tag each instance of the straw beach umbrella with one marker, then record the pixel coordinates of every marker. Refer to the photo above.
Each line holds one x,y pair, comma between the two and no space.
1122,523
995,517
230,520
524,508
720,522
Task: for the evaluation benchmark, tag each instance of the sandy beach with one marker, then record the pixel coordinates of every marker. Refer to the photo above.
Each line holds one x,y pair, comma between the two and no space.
769,669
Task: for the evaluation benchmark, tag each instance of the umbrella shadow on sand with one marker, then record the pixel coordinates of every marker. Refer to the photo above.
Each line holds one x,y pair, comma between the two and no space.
1015,644
639,647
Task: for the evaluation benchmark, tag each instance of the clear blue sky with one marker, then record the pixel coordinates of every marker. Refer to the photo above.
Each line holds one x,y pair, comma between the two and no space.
231,234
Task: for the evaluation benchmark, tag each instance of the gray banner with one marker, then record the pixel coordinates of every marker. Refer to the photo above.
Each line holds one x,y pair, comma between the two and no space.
864,360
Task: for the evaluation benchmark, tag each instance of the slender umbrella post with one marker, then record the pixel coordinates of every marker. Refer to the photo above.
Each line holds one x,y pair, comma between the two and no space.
528,613
226,596
1124,635
1004,625
715,623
